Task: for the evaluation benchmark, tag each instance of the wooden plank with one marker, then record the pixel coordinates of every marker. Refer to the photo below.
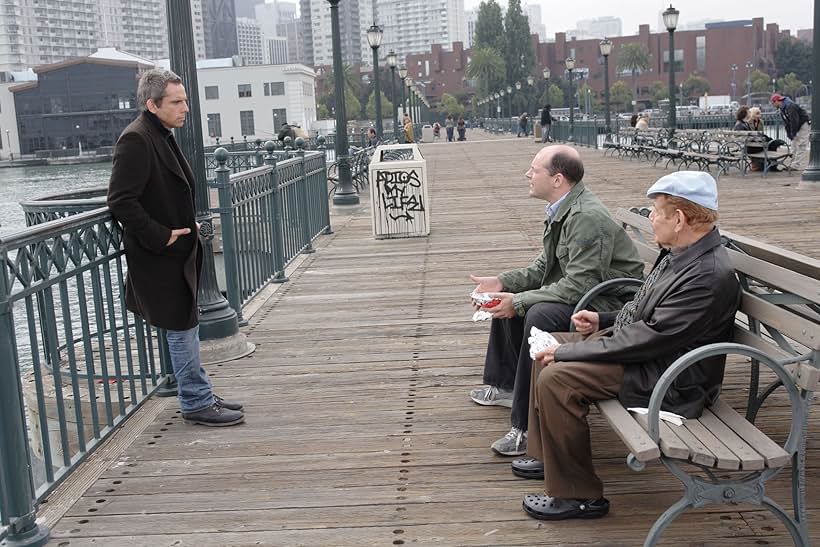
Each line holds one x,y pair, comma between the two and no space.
749,459
671,445
724,458
637,441
790,260
772,452
776,276
789,324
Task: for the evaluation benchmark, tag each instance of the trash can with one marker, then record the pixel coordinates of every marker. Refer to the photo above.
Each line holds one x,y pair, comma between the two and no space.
536,131
398,192
427,133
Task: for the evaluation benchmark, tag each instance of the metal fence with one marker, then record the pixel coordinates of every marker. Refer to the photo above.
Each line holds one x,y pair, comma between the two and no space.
73,361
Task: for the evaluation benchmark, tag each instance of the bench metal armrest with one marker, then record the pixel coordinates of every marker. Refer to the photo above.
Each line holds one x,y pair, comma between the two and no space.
602,287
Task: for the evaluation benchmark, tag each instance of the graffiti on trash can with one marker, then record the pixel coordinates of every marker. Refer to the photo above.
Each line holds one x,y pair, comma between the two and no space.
400,193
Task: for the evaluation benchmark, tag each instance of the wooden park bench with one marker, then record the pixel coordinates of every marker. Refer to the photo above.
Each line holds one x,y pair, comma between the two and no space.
722,457
769,159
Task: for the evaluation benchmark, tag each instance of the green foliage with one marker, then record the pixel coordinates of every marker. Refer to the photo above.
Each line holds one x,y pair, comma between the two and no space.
518,52
790,85
370,110
553,96
352,82
696,86
322,112
659,91
353,107
487,69
489,27
450,105
620,97
761,82
793,55
633,58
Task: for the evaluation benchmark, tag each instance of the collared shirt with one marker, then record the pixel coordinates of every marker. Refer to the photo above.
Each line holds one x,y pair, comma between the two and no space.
552,209
155,120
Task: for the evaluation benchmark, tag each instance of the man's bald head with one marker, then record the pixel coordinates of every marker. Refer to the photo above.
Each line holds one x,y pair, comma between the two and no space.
560,158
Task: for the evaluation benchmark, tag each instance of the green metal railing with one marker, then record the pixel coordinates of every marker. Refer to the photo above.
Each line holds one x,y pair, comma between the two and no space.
74,363
269,215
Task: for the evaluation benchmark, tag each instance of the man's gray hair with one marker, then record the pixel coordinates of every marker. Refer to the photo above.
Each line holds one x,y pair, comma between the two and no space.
152,85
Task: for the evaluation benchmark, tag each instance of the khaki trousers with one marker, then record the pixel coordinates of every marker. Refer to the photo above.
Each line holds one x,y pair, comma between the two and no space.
560,395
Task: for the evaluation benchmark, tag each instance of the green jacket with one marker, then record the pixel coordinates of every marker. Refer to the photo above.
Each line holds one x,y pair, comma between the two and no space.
583,246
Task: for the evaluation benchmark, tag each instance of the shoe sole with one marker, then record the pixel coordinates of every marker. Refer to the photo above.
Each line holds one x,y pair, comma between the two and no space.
536,475
512,453
214,424
501,402
576,514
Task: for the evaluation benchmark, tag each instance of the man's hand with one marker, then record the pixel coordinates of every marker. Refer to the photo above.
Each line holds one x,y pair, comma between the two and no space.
175,234
585,321
504,309
547,355
487,284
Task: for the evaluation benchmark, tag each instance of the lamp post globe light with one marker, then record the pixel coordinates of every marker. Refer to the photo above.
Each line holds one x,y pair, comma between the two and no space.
749,67
670,21
606,49
346,193
391,62
774,85
374,38
570,64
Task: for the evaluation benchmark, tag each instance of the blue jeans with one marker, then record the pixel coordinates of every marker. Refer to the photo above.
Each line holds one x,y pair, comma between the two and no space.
194,388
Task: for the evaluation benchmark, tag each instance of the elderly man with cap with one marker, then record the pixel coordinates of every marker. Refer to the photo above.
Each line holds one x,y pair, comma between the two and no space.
688,300
796,121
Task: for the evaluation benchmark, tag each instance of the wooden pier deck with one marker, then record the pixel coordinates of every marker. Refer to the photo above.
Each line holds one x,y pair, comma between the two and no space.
359,426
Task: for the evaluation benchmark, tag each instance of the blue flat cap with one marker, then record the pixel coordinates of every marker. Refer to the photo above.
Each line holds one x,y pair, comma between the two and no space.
695,186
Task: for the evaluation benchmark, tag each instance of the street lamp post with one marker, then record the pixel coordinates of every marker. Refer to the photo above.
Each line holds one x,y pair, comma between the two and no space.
501,102
8,141
374,38
346,193
530,107
403,76
79,142
734,84
749,67
570,64
606,48
391,62
670,20
774,85
811,176
509,104
497,97
518,88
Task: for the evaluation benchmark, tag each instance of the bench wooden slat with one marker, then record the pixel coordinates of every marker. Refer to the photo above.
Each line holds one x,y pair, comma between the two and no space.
637,440
671,445
805,376
776,276
773,453
725,458
698,452
790,260
748,458
788,323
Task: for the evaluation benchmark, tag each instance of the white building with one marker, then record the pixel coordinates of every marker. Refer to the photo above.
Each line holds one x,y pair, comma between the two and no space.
599,27
249,40
411,26
254,101
471,16
533,13
276,50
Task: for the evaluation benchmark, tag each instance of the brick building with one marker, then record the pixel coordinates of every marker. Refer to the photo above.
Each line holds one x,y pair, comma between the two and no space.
709,52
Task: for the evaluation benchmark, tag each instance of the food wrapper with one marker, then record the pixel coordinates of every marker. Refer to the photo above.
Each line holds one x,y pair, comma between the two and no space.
670,417
484,299
539,340
482,315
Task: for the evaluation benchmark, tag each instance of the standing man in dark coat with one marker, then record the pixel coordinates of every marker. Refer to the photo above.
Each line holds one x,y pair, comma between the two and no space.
688,300
151,193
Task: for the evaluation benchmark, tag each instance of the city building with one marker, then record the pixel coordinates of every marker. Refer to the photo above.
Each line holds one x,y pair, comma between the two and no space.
52,31
219,27
533,13
411,26
599,27
249,41
276,51
247,8
471,16
246,102
440,71
278,21
355,16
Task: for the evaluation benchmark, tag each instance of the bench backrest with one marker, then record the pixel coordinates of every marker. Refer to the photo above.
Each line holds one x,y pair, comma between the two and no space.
780,310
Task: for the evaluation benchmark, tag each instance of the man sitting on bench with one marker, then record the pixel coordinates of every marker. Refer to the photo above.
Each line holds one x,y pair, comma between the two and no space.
688,300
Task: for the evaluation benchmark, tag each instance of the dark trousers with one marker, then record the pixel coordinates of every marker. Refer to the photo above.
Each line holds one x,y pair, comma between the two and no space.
559,436
508,363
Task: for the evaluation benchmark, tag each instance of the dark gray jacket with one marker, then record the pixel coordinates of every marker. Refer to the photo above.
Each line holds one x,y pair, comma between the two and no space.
693,303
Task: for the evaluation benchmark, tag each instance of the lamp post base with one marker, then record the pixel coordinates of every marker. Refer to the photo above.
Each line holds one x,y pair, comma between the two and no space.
37,536
345,199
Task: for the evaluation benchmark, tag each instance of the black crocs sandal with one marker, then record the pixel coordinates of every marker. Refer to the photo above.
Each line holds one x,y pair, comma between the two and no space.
545,507
528,468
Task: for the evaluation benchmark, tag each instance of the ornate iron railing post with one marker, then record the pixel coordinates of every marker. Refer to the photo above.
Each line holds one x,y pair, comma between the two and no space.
275,208
302,192
226,219
16,481
257,150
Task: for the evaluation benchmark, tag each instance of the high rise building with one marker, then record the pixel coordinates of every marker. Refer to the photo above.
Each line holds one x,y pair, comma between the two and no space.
354,18
219,25
600,27
247,8
276,51
533,13
51,31
249,41
411,26
198,22
471,16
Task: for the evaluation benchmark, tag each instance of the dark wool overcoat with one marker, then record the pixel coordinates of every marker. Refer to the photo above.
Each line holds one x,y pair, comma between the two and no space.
151,192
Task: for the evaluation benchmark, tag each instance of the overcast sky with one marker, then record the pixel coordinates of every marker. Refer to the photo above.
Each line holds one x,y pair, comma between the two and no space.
561,16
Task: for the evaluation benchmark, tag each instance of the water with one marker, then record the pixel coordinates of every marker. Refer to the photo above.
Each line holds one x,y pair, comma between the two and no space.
25,183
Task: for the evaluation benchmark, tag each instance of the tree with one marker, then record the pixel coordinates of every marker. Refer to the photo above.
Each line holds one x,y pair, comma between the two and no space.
387,107
353,108
790,85
352,82
553,96
761,82
659,91
450,105
487,68
633,58
696,86
518,53
793,55
322,112
620,96
489,27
